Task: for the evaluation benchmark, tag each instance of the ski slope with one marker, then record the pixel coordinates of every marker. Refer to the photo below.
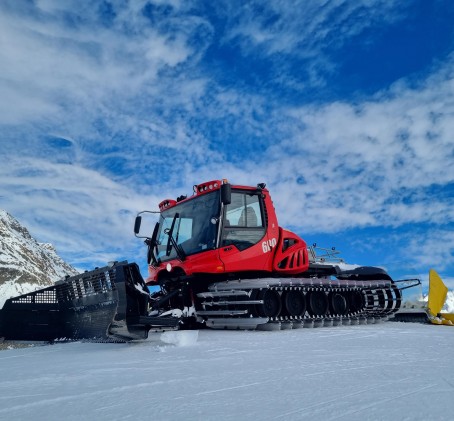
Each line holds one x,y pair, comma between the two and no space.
373,372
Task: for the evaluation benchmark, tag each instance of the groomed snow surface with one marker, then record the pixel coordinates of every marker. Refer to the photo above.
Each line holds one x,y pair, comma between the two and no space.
374,372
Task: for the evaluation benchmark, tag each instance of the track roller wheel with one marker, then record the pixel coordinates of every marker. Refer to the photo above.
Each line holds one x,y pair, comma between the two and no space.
357,301
271,306
337,304
381,299
294,303
318,303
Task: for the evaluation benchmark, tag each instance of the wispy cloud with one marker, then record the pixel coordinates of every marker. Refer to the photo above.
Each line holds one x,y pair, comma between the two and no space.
381,158
79,56
304,28
305,31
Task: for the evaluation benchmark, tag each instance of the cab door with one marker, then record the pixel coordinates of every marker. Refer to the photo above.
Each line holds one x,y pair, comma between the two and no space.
244,233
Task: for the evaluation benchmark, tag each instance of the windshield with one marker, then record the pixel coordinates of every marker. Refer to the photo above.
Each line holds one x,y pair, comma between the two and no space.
194,230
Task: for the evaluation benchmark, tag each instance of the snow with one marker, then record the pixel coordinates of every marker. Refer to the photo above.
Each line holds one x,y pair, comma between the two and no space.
25,264
372,372
12,289
449,303
420,302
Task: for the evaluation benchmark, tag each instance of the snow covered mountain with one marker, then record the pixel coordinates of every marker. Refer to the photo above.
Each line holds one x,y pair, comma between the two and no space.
25,264
449,303
421,303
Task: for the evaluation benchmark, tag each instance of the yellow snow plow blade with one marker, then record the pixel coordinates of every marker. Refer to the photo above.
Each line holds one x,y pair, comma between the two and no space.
437,297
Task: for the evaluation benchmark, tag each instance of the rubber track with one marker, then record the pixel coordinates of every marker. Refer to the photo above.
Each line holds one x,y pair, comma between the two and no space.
381,299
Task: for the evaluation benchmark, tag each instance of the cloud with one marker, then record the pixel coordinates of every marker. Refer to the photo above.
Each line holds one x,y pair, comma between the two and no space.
299,38
380,160
78,209
433,249
58,58
304,27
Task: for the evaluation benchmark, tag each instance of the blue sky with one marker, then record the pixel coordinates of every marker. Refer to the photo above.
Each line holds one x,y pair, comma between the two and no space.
344,108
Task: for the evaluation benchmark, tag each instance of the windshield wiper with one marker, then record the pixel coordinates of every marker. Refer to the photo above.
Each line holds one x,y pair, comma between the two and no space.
171,242
152,244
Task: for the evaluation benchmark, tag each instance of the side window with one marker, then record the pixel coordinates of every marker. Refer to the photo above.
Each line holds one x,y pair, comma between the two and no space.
244,211
243,224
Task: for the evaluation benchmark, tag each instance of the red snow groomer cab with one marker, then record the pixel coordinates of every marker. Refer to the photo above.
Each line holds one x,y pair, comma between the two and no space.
220,258
224,229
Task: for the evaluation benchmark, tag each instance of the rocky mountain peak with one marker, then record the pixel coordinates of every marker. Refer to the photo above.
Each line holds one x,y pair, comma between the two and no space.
25,264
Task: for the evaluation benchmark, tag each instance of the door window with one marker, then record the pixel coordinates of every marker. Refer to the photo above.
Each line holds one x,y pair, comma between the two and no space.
243,222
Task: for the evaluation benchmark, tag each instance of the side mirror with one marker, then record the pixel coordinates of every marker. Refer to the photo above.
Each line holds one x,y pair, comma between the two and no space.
226,194
137,224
